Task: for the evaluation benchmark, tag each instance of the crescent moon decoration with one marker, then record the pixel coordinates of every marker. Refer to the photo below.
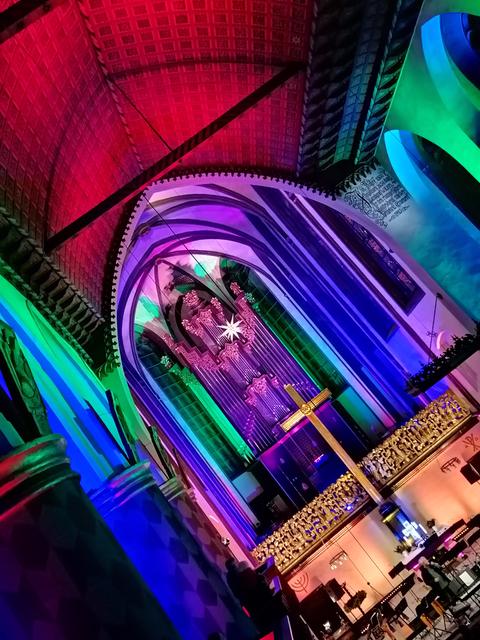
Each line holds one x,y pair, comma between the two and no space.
444,340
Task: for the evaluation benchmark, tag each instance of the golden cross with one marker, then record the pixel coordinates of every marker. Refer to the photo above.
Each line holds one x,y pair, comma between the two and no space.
307,409
299,415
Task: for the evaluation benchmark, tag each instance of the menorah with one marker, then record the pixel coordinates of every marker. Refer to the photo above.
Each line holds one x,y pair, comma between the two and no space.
300,582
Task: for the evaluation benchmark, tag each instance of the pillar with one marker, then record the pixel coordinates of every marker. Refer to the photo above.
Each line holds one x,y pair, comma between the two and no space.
199,525
63,575
169,559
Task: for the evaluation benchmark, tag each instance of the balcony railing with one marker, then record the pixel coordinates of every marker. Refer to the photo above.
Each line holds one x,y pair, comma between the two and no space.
386,465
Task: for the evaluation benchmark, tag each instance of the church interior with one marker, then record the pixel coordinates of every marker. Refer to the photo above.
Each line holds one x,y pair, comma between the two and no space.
239,319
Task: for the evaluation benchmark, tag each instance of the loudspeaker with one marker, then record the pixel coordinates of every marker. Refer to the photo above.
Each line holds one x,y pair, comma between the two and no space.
475,462
263,495
470,473
335,590
475,537
319,610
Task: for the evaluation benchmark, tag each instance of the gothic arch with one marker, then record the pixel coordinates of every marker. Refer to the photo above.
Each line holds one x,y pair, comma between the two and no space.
231,209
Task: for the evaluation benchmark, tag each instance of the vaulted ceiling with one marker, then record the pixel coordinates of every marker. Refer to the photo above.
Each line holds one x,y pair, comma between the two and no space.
93,92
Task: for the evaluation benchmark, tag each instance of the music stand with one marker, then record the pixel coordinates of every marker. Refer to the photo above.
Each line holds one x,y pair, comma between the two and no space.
387,610
421,611
408,585
454,552
397,570
400,609
443,614
471,541
452,528
474,522
475,537
424,609
460,547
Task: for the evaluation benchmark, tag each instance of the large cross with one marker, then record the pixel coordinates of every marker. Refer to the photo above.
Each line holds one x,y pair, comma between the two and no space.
306,408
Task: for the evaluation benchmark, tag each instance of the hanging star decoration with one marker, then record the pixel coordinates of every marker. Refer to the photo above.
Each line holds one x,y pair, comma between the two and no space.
232,329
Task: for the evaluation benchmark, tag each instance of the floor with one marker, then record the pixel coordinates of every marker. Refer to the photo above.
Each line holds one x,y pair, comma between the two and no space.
444,627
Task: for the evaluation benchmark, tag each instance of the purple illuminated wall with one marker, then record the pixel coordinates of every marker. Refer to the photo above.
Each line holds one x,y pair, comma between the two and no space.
350,313
245,373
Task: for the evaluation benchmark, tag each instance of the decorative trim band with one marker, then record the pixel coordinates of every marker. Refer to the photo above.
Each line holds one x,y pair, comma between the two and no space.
24,263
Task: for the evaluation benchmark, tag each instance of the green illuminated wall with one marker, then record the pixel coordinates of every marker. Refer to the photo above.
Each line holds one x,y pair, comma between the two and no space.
199,410
434,101
77,406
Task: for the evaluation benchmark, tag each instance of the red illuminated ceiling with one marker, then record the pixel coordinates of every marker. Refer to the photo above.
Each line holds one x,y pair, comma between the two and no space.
71,134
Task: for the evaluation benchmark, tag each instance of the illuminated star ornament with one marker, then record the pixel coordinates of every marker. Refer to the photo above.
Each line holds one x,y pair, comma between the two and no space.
232,329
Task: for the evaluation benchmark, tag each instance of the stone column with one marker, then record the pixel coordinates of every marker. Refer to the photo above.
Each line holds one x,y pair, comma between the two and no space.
192,516
169,559
63,575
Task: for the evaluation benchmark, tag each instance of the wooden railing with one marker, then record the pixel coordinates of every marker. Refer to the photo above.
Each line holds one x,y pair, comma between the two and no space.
408,444
394,458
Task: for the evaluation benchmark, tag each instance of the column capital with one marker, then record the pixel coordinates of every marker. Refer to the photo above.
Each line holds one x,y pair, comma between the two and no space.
174,488
31,469
123,486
